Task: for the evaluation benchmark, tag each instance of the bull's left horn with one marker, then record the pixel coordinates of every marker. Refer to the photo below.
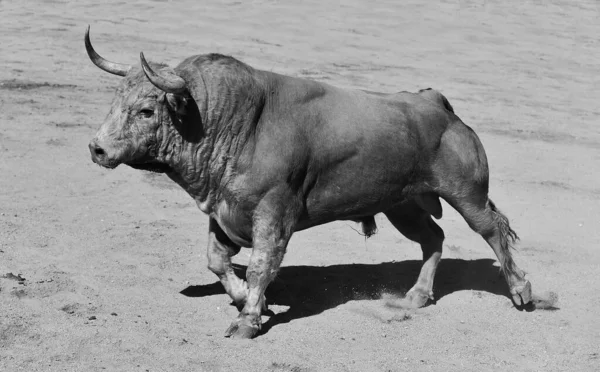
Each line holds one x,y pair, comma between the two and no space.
112,67
170,84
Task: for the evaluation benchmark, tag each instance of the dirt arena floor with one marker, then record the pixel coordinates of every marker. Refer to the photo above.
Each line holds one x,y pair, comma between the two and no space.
106,270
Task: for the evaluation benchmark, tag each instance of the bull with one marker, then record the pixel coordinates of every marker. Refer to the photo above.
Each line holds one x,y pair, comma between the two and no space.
265,155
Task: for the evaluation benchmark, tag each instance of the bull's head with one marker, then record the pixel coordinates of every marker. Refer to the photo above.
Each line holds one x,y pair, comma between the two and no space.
140,128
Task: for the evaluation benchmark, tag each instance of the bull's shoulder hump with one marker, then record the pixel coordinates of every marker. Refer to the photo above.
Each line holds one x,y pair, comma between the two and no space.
188,63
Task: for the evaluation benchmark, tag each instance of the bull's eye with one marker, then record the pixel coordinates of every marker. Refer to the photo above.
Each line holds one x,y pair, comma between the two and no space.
147,113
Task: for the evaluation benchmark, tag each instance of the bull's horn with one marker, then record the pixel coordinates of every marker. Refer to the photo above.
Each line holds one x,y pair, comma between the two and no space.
169,83
114,68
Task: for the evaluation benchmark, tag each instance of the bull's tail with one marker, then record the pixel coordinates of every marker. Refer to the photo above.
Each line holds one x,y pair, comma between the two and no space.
507,238
485,219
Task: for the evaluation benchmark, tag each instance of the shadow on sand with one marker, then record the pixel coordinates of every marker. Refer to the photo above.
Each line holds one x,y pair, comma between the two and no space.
310,290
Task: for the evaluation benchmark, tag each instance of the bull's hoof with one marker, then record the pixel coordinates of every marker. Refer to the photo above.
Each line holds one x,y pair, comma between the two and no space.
417,298
414,299
243,328
521,294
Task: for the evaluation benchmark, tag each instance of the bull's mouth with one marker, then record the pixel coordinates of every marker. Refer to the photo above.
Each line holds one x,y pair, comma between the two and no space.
112,164
155,167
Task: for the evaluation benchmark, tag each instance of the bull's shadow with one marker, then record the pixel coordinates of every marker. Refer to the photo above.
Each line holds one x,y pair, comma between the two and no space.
310,290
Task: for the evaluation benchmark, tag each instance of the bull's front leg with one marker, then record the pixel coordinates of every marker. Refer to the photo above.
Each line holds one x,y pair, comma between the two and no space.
273,225
219,252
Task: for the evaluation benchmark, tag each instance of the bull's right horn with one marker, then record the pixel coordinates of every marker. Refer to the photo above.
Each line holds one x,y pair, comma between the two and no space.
114,68
170,83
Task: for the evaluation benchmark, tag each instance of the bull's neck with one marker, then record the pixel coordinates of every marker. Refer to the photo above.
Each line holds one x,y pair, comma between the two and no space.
228,112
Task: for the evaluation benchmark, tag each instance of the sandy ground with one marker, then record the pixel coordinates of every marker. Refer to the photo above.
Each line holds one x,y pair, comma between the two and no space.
113,262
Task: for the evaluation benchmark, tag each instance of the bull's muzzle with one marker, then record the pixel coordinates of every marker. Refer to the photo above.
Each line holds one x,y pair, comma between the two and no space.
99,155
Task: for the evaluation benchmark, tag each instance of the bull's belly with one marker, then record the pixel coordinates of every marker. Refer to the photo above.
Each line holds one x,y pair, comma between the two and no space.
322,206
325,206
347,193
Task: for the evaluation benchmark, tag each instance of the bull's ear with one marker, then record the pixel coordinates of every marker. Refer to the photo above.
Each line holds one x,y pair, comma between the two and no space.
176,103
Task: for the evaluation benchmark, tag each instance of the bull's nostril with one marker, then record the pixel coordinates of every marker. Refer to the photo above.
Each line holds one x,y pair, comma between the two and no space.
98,152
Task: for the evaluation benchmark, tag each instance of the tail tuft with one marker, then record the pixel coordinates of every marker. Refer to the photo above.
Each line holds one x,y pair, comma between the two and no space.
508,238
506,231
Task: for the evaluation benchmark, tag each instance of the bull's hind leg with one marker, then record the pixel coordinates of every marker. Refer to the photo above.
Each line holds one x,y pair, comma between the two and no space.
493,226
219,252
416,224
484,218
461,176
